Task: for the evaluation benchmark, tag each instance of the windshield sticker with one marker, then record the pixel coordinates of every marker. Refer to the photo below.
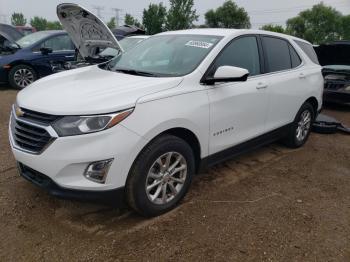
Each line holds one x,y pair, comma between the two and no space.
199,44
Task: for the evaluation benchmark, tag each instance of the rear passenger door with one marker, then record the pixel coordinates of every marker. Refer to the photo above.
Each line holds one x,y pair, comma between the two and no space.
287,81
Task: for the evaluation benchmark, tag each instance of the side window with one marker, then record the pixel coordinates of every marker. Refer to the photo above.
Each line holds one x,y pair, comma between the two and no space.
277,54
242,52
58,43
296,61
308,50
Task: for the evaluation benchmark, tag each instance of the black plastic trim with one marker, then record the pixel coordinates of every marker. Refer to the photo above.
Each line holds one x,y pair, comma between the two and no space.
114,197
245,147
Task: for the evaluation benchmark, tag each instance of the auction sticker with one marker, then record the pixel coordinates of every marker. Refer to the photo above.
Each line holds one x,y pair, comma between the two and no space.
200,44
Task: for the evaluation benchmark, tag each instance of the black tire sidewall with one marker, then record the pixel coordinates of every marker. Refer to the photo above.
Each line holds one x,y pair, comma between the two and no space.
12,73
144,163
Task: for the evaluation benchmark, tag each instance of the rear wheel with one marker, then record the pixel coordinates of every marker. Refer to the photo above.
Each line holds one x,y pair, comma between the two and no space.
301,127
21,76
161,176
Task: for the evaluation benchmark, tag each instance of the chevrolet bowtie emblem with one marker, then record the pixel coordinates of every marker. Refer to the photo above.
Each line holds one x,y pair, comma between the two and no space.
19,112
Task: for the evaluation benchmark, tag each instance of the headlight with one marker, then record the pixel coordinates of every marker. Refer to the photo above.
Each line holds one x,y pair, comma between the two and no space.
78,125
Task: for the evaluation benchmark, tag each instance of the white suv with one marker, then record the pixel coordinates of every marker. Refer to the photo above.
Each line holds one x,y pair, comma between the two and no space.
140,126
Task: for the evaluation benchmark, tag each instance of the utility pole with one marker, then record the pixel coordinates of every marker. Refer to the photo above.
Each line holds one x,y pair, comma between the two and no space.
117,14
98,9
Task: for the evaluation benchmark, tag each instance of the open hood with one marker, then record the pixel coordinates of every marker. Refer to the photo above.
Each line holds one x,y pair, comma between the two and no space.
10,33
336,53
87,31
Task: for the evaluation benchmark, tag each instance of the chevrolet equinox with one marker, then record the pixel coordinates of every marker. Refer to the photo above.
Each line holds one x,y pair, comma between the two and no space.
138,127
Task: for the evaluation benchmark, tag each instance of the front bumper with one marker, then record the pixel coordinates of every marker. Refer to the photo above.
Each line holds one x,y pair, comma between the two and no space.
113,197
339,97
65,160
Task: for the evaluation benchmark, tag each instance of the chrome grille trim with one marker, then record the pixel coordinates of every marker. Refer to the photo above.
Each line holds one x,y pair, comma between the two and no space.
26,135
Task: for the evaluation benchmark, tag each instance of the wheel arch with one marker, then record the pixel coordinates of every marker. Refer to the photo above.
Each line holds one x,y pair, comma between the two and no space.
313,101
23,62
190,138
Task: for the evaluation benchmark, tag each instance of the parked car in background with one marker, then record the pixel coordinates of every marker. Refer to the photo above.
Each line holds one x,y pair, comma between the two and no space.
127,30
8,37
140,126
335,59
26,30
35,56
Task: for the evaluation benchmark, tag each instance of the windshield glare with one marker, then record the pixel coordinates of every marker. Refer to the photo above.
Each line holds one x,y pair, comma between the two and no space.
126,44
166,55
32,38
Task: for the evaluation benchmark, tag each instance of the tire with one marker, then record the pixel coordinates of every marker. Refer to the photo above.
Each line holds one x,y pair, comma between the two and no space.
148,203
21,76
295,139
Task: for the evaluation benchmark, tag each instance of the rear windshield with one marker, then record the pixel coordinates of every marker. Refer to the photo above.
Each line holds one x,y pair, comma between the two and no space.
308,50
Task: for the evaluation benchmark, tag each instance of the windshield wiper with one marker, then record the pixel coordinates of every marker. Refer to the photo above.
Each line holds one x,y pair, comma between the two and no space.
136,72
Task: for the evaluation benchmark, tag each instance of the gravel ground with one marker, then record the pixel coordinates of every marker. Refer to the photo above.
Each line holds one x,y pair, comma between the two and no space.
274,204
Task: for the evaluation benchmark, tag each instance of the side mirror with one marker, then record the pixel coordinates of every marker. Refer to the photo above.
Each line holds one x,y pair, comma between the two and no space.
45,50
228,74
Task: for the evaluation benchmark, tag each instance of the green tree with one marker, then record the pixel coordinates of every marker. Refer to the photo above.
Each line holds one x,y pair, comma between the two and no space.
112,24
273,28
130,20
39,23
346,27
154,18
18,19
53,25
229,15
181,15
317,25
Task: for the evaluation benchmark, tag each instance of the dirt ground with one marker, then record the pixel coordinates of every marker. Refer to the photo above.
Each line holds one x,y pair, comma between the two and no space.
274,204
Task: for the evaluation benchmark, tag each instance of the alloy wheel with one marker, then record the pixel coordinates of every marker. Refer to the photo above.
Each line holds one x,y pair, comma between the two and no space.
23,77
166,178
304,125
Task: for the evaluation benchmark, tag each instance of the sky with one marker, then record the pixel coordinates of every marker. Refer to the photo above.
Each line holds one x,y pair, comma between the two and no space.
260,11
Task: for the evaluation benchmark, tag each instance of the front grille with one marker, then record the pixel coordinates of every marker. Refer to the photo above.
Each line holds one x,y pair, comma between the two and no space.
28,137
38,117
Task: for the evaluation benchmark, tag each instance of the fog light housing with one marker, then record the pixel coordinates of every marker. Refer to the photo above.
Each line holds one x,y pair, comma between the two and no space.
97,171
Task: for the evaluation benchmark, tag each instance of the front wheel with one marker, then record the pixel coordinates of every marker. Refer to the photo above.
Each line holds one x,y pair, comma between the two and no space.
301,127
160,176
21,76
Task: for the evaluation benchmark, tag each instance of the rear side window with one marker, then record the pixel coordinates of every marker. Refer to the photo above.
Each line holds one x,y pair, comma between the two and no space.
296,61
242,52
308,50
277,54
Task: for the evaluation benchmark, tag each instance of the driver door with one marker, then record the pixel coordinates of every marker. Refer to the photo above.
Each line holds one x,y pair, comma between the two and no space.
238,109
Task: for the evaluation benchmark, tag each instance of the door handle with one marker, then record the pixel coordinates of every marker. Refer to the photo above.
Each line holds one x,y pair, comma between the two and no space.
261,85
69,56
302,76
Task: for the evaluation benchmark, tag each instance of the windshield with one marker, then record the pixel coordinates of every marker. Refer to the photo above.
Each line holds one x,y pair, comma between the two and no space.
32,38
126,44
165,55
